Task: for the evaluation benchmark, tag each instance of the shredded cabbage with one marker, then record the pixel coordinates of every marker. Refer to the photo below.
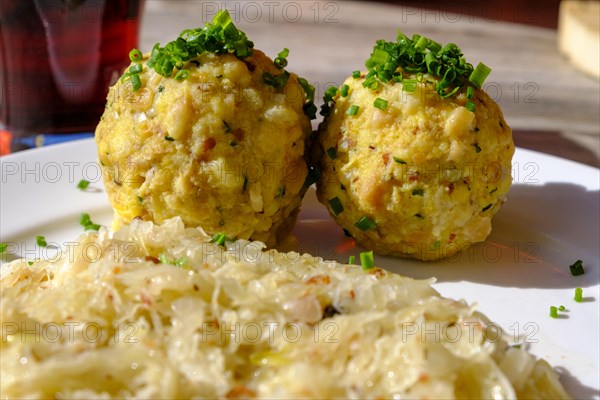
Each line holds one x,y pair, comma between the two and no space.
160,312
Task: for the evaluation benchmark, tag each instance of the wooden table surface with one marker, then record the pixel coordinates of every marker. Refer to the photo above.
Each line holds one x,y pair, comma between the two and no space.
551,106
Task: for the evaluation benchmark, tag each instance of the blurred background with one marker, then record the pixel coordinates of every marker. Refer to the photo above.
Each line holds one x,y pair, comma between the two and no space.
551,100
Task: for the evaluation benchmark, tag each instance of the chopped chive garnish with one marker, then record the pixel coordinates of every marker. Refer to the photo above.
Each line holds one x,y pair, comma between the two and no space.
182,75
280,192
577,268
344,90
418,192
309,107
181,261
409,85
332,153
136,69
83,184
169,138
353,109
86,222
578,295
3,247
281,59
351,259
330,93
220,36
420,55
366,260
41,241
553,312
276,81
219,239
479,75
30,263
470,92
136,82
470,106
161,88
484,209
477,148
365,224
562,308
162,257
140,199
336,206
381,104
356,74
419,216
399,160
135,55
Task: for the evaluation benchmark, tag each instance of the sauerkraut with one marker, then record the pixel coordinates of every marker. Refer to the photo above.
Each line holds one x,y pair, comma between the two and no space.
162,312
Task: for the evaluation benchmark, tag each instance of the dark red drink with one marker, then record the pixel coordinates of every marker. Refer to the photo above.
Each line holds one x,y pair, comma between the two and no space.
58,58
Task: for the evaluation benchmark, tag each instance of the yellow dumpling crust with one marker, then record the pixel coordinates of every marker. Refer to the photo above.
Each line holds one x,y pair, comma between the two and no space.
412,174
220,148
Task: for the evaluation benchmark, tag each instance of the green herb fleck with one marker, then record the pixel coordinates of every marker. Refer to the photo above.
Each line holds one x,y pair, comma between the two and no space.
365,224
409,85
182,75
83,184
276,81
170,138
484,209
86,222
353,110
280,192
553,312
336,206
366,260
578,295
399,160
41,241
562,308
135,55
356,74
477,148
309,108
332,153
351,259
577,268
328,100
344,90
418,192
3,247
219,239
281,59
381,104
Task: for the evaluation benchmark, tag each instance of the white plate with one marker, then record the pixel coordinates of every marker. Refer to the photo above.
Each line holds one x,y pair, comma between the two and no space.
550,220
